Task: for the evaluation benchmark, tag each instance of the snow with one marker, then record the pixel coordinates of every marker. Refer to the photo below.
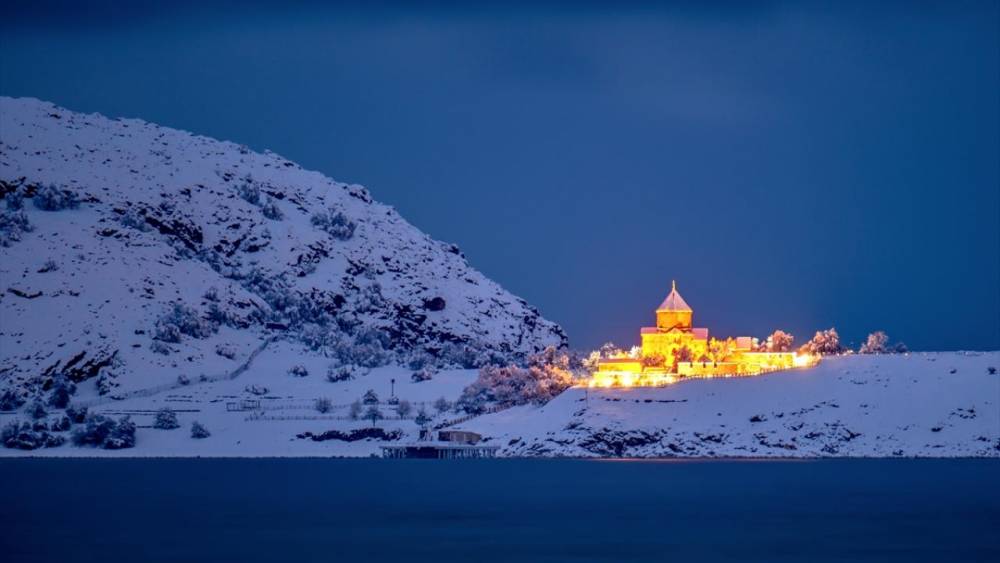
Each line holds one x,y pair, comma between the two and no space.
923,404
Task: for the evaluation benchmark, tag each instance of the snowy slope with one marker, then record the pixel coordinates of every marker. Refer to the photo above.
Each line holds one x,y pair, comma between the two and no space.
878,406
923,404
167,217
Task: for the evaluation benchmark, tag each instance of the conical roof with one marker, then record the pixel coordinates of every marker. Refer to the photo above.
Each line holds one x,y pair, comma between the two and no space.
674,301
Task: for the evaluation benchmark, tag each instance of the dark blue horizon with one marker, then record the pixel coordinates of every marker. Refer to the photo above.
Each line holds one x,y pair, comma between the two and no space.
792,166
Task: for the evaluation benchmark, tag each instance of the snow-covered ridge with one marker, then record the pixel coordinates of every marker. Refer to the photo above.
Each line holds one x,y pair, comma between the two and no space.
251,246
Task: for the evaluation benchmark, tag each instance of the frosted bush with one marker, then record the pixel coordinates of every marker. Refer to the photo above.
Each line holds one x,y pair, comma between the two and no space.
37,410
334,223
122,435
51,198
14,200
546,376
271,210
159,347
423,374
13,225
338,373
181,319
323,405
134,220
62,390
404,408
422,418
877,343
226,351
198,431
166,419
298,371
249,191
25,436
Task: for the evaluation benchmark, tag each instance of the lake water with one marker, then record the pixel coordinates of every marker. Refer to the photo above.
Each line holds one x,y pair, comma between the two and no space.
370,510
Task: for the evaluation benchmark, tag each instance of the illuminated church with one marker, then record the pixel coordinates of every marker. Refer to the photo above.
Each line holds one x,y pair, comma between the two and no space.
675,348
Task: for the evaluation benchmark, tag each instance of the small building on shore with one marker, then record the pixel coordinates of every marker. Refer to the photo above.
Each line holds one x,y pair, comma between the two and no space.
447,444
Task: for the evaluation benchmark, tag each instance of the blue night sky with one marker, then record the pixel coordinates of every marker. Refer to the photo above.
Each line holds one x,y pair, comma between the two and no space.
792,166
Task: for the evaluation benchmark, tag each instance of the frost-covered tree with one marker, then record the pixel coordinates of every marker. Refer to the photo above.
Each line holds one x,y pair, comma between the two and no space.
37,410
900,348
370,397
181,319
62,390
546,376
121,436
166,419
877,343
780,341
10,401
249,191
825,343
198,431
95,431
13,225
404,408
654,360
323,405
51,198
354,412
373,414
442,404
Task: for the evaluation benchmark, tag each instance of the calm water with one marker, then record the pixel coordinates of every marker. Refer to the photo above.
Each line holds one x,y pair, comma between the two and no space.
502,510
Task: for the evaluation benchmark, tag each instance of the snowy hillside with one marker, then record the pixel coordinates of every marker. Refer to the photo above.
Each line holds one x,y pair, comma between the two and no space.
137,256
933,404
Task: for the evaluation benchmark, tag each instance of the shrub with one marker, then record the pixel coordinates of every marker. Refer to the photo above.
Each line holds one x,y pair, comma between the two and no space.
404,408
423,374
271,210
48,266
134,220
198,431
546,376
825,343
121,436
51,198
77,414
183,380
37,410
181,319
62,424
324,405
10,401
226,351
876,344
95,431
166,419
338,373
355,411
298,371
900,348
24,436
334,223
159,347
249,191
13,224
62,390
370,397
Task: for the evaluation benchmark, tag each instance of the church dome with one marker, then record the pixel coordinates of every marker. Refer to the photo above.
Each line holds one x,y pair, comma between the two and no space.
674,302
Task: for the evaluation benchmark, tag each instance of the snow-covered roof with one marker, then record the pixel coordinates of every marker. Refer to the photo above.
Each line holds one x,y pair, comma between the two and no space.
674,301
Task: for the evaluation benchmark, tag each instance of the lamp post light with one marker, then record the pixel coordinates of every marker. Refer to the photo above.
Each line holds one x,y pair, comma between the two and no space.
392,387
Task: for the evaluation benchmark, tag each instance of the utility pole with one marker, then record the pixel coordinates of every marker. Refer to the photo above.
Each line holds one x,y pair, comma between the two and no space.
392,387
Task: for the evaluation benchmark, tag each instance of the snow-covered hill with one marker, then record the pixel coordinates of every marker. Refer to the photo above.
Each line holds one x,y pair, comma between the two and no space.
135,256
922,404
